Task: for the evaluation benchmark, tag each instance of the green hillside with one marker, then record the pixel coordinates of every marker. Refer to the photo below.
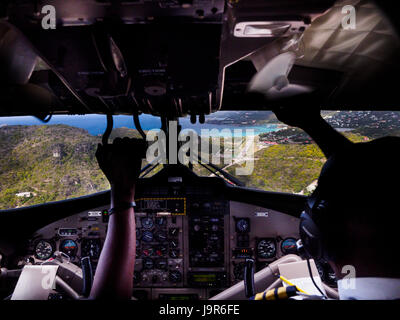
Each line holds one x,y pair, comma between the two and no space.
50,162
284,168
288,167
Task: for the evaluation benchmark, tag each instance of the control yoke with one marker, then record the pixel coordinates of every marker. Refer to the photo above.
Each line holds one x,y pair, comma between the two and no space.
249,278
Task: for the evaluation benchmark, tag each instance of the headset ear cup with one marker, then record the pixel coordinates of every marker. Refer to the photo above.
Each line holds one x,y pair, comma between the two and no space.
326,237
310,236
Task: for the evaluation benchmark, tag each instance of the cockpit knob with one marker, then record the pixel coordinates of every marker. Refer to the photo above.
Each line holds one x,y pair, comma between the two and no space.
195,205
175,276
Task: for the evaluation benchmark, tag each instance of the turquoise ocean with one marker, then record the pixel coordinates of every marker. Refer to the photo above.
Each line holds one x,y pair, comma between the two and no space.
95,124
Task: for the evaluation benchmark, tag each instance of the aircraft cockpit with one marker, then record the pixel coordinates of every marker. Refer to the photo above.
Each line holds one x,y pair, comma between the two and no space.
306,78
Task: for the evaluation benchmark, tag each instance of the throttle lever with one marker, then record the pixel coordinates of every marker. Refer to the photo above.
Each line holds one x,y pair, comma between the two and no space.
249,287
87,276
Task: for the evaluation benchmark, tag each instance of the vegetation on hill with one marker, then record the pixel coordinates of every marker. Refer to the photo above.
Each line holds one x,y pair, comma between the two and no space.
47,163
124,132
284,168
288,167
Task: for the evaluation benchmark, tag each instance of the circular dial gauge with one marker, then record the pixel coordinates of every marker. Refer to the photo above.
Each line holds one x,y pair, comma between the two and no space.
173,232
43,250
161,236
147,252
91,248
69,247
174,253
266,248
160,221
161,251
147,223
147,236
289,246
137,277
175,276
242,225
148,263
162,264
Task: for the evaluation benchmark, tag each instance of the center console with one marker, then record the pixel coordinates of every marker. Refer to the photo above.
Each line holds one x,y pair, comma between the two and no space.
159,242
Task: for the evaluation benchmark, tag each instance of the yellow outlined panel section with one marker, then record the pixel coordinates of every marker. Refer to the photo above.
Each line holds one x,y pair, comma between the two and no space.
172,213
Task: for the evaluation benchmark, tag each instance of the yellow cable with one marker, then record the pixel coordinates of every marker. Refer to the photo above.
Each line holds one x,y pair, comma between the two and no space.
291,284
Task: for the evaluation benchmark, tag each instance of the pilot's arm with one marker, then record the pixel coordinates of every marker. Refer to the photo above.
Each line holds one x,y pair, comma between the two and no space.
121,163
309,119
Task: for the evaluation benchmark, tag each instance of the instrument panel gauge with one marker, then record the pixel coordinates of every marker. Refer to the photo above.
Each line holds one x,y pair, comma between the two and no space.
91,248
69,247
160,221
326,273
147,223
173,243
147,236
148,263
173,232
67,232
174,253
44,250
161,236
175,276
161,251
289,246
147,252
162,264
266,248
243,225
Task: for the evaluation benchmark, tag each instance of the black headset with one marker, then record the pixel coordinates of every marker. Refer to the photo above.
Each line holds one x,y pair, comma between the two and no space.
310,234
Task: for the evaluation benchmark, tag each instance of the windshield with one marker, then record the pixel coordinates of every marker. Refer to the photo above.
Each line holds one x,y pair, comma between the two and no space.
56,161
284,158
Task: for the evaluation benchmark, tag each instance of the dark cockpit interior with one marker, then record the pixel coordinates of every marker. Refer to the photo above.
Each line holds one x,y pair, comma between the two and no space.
197,237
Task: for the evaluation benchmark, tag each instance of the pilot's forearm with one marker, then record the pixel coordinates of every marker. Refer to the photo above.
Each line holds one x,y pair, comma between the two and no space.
114,274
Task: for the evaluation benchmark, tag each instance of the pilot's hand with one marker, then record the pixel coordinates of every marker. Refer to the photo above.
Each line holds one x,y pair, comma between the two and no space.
297,116
121,161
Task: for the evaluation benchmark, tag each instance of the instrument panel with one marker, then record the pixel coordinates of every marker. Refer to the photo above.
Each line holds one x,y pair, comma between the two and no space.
199,252
191,242
159,243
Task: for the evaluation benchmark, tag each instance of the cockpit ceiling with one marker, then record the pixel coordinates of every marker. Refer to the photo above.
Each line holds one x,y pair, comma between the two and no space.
185,59
350,68
364,55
